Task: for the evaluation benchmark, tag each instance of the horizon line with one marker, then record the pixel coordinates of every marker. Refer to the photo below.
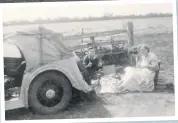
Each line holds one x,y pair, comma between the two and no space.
106,16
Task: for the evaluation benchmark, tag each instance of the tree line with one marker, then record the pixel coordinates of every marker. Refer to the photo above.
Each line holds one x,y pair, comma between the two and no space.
76,19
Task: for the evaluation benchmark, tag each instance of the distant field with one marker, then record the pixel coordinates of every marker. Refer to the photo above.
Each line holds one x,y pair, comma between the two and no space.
150,25
141,26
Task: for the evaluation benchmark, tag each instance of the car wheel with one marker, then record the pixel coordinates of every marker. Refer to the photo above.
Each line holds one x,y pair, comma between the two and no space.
50,93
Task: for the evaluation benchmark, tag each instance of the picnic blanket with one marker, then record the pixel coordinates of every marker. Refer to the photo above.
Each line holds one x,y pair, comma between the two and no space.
134,79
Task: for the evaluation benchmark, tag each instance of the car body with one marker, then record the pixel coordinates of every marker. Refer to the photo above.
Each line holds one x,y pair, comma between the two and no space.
42,51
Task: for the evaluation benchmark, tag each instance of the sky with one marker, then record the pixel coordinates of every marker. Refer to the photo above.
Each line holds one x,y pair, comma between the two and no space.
35,11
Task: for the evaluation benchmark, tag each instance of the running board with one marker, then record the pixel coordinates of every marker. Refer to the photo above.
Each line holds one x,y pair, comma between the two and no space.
14,103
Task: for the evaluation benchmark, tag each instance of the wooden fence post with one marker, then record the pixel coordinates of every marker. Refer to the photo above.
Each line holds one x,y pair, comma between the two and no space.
130,33
41,46
92,39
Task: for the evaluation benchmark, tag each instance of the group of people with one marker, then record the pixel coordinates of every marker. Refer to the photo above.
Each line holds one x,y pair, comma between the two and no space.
139,77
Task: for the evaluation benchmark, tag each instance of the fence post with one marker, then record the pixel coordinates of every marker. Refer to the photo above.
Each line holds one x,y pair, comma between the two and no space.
92,39
130,33
41,47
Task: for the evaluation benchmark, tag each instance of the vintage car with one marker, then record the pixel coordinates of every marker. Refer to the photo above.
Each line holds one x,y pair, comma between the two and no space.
45,71
38,64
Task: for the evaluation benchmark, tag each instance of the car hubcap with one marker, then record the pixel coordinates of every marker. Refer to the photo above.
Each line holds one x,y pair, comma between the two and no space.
50,93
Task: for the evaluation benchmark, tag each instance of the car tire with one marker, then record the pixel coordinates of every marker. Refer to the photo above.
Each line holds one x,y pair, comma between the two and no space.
52,97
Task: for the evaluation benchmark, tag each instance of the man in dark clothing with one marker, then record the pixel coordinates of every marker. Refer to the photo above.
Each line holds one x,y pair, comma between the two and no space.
91,62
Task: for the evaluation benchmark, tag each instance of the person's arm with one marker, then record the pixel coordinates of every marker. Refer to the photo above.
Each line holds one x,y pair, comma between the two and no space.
153,63
153,67
86,61
99,63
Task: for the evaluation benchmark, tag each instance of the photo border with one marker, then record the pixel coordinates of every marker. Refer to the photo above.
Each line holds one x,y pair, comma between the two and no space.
175,21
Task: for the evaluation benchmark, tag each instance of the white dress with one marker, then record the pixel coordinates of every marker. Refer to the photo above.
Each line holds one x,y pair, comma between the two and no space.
134,79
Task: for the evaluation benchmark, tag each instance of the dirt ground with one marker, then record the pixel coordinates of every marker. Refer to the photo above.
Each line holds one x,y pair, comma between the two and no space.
160,103
109,106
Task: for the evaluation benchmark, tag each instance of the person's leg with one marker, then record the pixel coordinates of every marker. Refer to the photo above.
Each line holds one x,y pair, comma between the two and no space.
129,80
90,71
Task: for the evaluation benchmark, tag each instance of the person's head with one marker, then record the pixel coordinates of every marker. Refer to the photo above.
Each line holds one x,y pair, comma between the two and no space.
91,51
143,49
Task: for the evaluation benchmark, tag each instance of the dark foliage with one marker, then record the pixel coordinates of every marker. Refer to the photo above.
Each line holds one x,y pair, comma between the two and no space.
75,19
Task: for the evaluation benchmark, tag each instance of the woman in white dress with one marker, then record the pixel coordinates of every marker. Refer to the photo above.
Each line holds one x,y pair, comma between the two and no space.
138,78
141,77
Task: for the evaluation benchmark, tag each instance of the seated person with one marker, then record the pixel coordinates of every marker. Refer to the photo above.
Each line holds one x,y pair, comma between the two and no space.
136,78
141,77
91,61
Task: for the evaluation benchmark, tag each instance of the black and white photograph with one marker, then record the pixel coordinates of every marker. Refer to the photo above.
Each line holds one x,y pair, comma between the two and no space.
80,60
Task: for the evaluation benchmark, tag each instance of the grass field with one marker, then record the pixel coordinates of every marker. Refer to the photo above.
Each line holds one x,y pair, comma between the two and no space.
160,103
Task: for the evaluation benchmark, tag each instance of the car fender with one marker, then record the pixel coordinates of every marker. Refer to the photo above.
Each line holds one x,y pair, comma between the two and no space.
68,67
